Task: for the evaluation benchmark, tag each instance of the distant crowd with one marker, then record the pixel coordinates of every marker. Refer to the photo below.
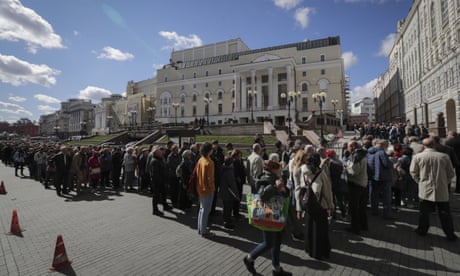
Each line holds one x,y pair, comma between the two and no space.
383,168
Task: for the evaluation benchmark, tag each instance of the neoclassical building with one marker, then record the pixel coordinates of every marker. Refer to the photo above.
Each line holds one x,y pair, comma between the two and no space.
227,82
424,69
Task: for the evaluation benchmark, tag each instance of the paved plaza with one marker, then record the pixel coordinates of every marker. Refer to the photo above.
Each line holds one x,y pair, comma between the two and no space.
116,234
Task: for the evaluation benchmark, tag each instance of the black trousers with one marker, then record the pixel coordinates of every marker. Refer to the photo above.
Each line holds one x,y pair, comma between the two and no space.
427,207
457,185
358,201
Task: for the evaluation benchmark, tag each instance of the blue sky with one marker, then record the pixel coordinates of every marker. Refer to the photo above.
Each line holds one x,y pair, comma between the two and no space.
53,50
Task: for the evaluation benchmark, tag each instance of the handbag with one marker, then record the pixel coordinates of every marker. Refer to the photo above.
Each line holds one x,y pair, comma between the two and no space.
94,171
268,215
308,200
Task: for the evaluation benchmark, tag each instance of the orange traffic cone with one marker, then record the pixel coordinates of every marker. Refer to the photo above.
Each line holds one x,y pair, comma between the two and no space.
15,229
2,189
60,259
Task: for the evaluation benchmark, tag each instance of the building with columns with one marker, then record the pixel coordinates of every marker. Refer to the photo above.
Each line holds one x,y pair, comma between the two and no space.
424,63
227,82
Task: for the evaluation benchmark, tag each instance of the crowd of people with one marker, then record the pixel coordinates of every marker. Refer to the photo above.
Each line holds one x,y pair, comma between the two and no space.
382,166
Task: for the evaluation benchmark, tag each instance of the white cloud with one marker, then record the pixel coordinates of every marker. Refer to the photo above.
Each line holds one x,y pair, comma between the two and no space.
21,23
94,93
114,54
181,42
387,45
47,108
13,109
286,4
302,16
359,92
76,33
18,72
46,99
17,99
349,59
366,1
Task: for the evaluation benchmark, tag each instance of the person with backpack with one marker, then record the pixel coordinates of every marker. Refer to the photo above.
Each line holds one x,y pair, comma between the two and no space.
356,169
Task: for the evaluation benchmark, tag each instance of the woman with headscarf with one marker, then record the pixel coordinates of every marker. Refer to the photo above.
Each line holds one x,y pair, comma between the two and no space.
317,243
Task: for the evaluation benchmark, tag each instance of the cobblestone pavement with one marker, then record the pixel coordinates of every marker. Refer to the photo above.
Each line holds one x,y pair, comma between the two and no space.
115,234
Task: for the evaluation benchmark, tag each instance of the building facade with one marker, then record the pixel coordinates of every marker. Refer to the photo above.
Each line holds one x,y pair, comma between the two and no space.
364,106
426,56
227,82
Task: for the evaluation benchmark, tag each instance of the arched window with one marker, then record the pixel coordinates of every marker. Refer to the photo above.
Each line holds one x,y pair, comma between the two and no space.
182,98
194,98
220,95
304,87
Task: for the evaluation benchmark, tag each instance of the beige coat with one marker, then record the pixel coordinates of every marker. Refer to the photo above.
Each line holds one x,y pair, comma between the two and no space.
433,171
321,187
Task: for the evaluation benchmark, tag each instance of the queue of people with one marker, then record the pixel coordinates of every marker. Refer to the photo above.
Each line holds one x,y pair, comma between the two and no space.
369,176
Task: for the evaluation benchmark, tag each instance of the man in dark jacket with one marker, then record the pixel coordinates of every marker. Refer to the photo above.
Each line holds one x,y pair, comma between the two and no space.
381,174
62,161
159,177
453,141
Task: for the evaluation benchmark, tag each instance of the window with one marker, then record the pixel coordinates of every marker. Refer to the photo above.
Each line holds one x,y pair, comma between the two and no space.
322,57
182,87
194,98
323,71
220,71
433,21
219,108
444,11
304,73
304,87
206,84
182,98
233,107
233,94
166,79
194,110
220,83
194,75
183,76
304,60
282,77
233,81
207,73
219,95
182,111
194,85
264,78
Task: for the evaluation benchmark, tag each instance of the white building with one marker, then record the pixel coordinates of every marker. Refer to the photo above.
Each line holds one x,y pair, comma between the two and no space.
426,55
227,81
364,106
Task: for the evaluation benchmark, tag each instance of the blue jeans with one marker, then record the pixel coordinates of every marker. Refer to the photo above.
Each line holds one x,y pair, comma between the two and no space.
272,240
380,188
203,214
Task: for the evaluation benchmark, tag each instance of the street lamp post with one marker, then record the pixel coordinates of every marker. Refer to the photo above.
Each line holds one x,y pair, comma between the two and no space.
320,98
207,101
175,105
134,117
152,109
334,102
291,96
340,111
109,120
252,95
